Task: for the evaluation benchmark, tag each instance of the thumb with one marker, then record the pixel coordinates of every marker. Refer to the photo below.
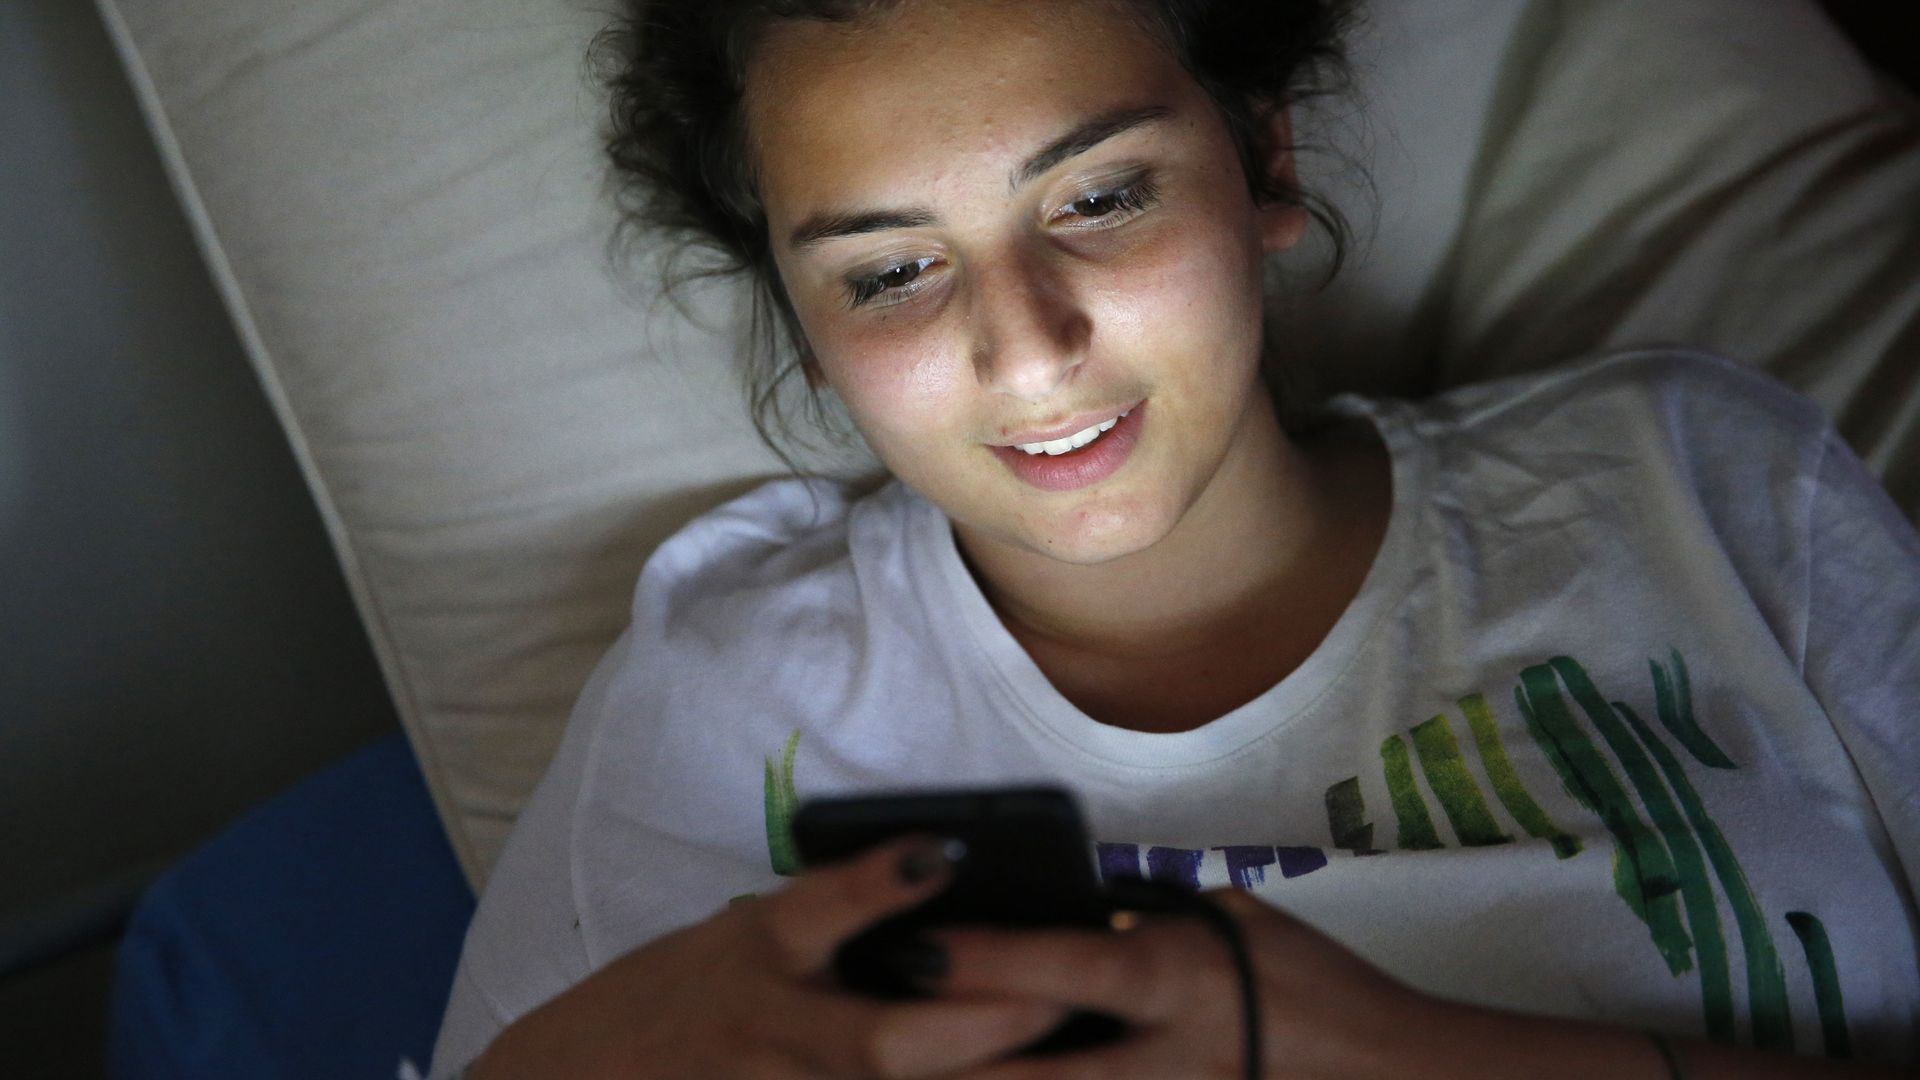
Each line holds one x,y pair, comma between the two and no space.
825,907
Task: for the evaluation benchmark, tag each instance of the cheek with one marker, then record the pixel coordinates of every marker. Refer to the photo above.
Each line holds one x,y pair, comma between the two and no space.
890,372
895,379
1195,289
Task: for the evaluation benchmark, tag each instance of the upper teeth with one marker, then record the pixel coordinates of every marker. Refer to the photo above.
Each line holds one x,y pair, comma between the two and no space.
1072,442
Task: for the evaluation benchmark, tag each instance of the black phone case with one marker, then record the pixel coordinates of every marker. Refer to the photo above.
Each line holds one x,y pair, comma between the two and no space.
1026,862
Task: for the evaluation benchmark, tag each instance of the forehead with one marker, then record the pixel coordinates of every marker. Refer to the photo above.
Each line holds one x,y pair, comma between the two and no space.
903,97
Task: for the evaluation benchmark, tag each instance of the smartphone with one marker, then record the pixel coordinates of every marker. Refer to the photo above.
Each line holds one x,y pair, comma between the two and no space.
1024,861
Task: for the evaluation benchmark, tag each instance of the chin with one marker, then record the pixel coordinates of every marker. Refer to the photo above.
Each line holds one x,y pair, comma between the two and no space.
1089,535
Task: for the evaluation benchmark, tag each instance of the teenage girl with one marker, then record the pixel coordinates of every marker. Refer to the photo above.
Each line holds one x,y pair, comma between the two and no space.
1561,726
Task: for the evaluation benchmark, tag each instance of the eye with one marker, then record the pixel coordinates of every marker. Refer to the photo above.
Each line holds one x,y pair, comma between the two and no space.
1111,206
896,280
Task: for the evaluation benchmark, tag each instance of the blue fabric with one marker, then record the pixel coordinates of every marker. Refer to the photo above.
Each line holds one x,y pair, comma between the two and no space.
315,938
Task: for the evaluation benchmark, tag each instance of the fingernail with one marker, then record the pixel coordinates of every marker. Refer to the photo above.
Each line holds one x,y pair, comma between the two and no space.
924,860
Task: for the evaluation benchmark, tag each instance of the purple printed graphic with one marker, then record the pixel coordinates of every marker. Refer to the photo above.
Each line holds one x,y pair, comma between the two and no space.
1247,866
1295,861
1175,866
1118,862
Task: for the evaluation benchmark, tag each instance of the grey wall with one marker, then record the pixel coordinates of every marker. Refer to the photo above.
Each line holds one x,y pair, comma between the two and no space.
175,640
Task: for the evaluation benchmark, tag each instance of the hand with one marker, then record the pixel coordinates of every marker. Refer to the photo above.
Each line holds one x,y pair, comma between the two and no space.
748,994
1325,1011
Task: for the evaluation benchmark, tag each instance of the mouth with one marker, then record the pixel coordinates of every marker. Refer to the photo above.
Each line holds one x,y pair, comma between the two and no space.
1069,443
1078,458
1069,434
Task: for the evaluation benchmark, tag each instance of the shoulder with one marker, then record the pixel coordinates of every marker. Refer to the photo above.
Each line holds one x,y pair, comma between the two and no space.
765,608
748,625
1673,460
1683,391
789,544
745,538
1703,420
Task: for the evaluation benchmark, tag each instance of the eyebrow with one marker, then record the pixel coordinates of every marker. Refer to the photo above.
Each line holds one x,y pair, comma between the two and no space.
1084,138
831,225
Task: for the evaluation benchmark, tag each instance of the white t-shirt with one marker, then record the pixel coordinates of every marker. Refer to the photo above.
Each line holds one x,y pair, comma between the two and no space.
1623,724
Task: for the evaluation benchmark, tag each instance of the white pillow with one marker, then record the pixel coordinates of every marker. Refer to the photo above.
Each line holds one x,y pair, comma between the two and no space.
1720,173
401,202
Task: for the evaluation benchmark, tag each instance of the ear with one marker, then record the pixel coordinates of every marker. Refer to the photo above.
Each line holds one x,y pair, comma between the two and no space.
1282,224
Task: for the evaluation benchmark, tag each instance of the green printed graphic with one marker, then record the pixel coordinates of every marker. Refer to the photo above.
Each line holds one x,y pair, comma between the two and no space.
781,802
1454,786
1671,864
1643,872
1826,981
1766,981
1674,698
1696,891
1696,888
1506,782
1416,826
1347,818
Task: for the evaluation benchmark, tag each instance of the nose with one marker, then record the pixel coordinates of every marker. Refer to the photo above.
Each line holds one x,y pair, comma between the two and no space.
1030,332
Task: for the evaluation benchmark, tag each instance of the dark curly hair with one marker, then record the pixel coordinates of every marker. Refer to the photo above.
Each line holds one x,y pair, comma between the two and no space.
675,74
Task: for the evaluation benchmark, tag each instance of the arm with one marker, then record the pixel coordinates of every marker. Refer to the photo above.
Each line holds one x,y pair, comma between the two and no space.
1327,1012
1497,1044
524,944
744,992
1862,654
747,993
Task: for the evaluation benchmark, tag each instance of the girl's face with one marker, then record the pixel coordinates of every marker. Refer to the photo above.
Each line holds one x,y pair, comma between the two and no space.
1004,222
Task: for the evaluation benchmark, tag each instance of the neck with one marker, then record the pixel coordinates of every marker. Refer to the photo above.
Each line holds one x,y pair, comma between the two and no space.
1261,531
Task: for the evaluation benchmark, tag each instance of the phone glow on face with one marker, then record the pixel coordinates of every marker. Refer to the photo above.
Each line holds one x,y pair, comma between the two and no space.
1110,205
978,303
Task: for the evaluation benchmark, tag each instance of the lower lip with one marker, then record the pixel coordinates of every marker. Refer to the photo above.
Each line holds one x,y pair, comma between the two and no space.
1080,468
